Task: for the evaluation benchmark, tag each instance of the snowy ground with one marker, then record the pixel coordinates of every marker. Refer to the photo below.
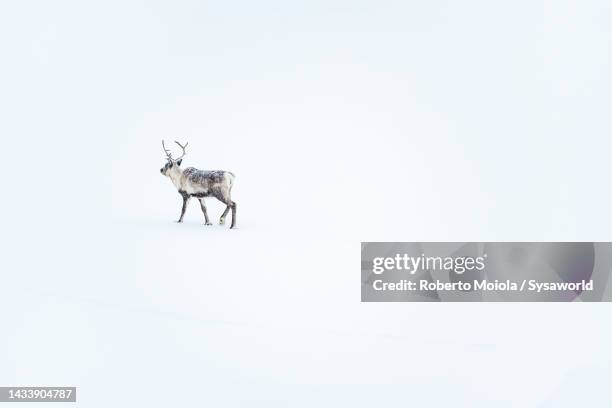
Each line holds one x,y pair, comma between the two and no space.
344,123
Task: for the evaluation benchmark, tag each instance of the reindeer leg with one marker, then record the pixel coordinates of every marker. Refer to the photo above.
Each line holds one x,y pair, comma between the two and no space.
203,206
224,197
222,220
233,214
185,201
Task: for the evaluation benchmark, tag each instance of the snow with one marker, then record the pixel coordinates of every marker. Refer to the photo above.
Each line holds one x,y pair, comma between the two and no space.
343,123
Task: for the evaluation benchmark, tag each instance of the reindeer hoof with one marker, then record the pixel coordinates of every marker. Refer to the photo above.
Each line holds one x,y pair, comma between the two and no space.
222,221
179,221
208,223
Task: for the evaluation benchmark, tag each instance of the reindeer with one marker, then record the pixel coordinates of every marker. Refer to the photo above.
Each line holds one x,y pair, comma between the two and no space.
192,182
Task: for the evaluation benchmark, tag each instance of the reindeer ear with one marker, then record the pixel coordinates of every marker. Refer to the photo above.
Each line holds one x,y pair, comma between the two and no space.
179,161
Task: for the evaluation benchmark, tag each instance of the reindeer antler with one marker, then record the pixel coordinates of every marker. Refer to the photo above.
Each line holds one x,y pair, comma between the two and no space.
170,154
166,151
182,147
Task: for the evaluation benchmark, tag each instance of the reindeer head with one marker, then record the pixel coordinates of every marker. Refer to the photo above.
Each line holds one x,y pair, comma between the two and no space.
172,163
